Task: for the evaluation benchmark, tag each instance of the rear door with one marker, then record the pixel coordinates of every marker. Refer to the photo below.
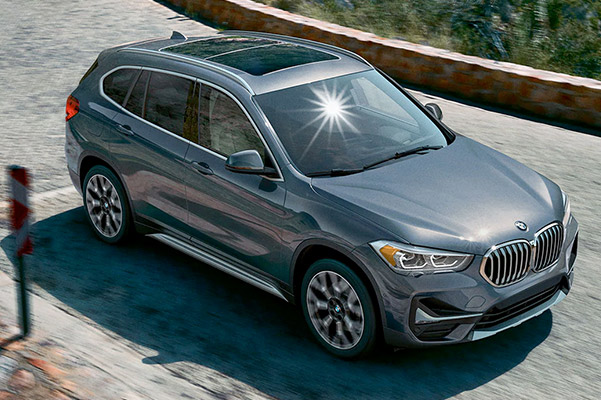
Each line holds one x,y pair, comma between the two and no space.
237,215
152,136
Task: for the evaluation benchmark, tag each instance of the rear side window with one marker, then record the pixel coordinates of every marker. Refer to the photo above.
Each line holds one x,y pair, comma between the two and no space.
170,104
116,85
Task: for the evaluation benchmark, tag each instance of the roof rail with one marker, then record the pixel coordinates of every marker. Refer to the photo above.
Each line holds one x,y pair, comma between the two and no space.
294,39
178,35
207,64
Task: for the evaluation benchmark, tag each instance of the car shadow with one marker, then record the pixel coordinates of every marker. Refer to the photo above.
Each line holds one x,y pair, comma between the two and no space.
187,311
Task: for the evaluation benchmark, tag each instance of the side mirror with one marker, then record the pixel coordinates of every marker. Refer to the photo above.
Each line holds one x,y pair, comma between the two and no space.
248,162
435,110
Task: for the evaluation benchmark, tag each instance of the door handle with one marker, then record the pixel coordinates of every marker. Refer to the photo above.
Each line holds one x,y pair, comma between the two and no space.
125,129
202,167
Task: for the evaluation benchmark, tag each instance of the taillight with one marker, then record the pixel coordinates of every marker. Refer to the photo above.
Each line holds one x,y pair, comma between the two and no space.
72,107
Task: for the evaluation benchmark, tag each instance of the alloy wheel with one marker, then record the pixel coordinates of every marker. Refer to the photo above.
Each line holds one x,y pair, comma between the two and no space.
104,205
335,310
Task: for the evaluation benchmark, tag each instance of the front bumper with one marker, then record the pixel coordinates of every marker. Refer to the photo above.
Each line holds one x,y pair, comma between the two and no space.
427,310
557,295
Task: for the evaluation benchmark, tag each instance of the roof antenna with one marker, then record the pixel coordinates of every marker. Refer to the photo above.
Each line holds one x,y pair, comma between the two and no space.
177,35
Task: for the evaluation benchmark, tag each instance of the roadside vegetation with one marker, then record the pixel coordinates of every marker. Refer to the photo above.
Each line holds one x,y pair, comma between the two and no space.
557,35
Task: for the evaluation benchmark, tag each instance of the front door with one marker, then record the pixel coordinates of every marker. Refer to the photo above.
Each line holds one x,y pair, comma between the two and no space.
236,215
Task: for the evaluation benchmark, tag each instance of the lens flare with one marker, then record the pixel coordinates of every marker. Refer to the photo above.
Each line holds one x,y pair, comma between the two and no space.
333,114
332,108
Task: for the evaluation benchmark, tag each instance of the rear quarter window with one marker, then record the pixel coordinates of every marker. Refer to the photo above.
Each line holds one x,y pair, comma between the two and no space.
116,85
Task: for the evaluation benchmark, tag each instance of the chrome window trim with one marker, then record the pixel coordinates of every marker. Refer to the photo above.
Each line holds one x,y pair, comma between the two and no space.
209,65
101,83
122,108
280,177
500,245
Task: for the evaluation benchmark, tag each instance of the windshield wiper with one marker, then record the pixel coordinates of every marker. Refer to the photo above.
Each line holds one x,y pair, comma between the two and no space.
336,172
349,171
403,154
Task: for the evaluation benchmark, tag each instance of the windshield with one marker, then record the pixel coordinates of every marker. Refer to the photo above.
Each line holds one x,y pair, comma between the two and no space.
347,122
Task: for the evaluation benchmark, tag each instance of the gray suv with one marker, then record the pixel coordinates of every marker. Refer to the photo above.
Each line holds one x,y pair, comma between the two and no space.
301,169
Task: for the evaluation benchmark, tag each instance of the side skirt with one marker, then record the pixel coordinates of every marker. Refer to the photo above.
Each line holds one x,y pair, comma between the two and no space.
219,264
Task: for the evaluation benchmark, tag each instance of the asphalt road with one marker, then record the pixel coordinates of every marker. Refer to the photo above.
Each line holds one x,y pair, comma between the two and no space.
200,324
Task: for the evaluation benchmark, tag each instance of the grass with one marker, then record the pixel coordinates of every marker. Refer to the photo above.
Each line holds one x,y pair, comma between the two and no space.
557,35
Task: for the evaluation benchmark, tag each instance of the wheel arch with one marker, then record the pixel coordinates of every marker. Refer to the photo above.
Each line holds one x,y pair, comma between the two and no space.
90,160
312,250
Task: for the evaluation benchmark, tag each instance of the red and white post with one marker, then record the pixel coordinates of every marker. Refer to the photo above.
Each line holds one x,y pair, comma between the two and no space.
19,216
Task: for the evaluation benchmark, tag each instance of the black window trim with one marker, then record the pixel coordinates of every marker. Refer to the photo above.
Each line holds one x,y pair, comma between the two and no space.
200,82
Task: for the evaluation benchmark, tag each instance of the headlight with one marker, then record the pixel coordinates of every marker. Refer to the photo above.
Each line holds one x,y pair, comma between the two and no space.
404,258
567,212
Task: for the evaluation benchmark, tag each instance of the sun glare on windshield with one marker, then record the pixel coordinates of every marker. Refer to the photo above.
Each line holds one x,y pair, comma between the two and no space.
332,109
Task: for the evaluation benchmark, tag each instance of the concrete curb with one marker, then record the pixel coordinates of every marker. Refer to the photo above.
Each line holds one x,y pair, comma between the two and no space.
525,89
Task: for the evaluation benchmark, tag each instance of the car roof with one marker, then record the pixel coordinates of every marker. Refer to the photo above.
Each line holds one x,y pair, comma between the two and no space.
261,62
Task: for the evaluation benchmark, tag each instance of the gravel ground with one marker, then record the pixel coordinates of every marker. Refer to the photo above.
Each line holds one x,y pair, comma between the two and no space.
210,330
47,45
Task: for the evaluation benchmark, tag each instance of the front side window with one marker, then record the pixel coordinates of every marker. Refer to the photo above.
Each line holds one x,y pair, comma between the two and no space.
116,85
170,104
347,122
224,127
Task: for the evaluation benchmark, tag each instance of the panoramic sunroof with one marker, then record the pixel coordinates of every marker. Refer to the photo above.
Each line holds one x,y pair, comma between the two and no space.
211,47
255,56
262,60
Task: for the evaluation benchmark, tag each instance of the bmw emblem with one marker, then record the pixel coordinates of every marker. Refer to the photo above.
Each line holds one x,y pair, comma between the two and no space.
521,225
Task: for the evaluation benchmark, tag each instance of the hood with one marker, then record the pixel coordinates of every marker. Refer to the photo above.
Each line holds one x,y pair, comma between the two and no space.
465,197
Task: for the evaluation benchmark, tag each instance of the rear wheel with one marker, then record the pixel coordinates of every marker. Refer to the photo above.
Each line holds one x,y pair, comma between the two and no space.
106,205
338,309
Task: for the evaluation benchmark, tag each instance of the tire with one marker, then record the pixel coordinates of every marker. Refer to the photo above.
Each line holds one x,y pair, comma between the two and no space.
106,205
342,318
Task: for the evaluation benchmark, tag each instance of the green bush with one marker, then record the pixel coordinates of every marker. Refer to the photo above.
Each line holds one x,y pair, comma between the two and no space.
559,35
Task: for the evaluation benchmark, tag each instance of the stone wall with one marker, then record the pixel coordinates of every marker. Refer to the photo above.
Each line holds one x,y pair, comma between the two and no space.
543,93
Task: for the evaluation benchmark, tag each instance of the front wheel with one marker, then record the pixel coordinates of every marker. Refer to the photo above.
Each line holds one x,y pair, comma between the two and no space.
338,309
106,205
